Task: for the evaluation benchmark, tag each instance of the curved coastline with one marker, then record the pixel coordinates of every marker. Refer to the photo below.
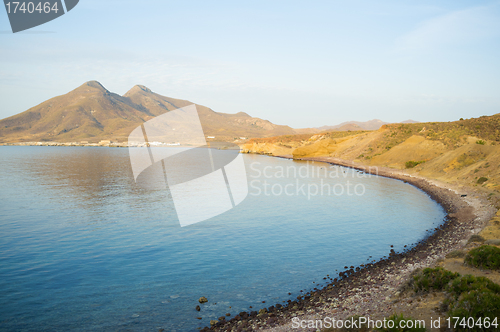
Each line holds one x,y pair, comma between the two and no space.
371,290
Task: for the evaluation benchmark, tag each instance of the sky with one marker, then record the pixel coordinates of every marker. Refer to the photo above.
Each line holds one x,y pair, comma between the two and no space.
303,64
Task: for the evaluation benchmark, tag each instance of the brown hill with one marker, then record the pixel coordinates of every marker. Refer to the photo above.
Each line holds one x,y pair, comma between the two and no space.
464,151
92,113
213,123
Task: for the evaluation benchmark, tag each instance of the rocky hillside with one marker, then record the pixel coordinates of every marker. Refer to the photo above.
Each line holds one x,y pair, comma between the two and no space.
92,113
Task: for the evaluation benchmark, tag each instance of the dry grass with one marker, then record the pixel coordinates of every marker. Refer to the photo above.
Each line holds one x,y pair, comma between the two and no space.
449,150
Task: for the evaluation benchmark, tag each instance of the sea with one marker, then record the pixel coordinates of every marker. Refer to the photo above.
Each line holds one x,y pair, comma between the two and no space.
83,247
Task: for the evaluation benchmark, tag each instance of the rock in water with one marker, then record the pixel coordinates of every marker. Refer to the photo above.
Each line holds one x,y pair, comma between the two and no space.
203,299
198,308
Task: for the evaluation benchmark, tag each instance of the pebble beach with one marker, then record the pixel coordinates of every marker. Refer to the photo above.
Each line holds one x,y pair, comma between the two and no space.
373,290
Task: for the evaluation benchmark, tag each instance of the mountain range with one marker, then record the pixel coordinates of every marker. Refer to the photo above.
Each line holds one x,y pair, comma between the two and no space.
92,113
374,124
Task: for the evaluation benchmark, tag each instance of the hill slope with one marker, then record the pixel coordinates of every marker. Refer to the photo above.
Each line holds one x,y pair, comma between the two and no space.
213,123
456,152
91,112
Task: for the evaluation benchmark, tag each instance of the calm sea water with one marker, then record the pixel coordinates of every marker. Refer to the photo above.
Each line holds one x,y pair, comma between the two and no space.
83,248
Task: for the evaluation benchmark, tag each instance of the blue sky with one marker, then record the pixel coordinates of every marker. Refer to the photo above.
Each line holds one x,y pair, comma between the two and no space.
296,63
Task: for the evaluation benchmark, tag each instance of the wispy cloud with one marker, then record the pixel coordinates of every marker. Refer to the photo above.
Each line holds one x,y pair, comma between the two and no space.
455,28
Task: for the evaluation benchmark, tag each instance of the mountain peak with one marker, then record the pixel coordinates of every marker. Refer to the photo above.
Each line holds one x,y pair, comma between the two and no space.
92,113
94,84
243,114
137,89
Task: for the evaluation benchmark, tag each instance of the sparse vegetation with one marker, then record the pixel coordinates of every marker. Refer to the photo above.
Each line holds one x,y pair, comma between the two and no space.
473,297
449,149
467,159
467,296
476,304
467,283
303,137
411,163
482,180
432,279
484,257
485,128
481,142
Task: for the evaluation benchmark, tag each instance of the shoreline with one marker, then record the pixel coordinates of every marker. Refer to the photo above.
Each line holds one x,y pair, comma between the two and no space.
372,290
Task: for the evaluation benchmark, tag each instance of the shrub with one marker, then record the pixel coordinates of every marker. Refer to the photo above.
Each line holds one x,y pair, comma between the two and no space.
482,180
477,305
473,297
416,325
412,163
481,142
485,257
469,283
433,279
